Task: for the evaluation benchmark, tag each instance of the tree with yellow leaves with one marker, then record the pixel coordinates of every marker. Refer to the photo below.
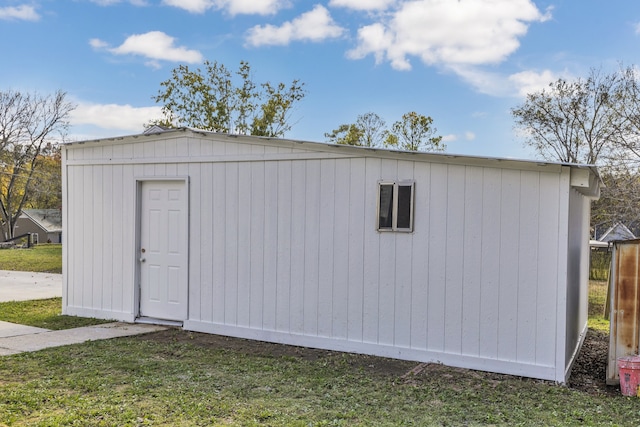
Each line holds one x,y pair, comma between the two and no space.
31,126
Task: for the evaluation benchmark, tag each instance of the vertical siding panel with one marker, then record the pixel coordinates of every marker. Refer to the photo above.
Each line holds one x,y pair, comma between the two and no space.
76,182
490,278
548,255
171,150
387,269
196,220
437,257
298,217
528,266
160,153
340,280
194,147
325,260
117,210
108,231
284,246
67,277
219,239
509,245
231,148
258,234
312,246
472,272
204,294
231,245
87,233
244,244
371,253
454,259
270,245
94,152
129,251
355,282
206,147
117,152
420,258
403,274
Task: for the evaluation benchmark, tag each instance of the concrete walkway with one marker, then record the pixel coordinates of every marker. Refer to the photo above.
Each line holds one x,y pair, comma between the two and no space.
25,286
16,339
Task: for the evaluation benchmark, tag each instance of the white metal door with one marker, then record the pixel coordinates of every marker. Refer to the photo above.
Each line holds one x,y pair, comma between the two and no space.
163,250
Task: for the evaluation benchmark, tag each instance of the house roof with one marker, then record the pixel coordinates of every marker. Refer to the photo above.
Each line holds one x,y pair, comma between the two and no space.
585,178
49,220
618,231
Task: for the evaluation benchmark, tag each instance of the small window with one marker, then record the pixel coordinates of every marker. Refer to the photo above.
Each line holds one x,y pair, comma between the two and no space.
395,206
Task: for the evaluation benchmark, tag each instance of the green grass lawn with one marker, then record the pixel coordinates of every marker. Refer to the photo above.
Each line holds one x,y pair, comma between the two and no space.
45,258
597,301
179,378
44,313
182,378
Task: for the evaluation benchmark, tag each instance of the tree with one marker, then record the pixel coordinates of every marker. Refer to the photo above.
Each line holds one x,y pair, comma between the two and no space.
619,201
47,182
593,120
346,134
367,131
29,124
214,100
414,132
578,121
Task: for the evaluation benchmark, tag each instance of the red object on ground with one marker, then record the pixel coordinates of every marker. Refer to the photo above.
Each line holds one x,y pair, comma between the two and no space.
629,370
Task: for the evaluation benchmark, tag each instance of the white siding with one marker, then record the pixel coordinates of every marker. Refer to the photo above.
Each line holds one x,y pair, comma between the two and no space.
284,247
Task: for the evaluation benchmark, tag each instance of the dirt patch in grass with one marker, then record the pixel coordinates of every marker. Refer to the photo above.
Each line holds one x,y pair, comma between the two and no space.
588,374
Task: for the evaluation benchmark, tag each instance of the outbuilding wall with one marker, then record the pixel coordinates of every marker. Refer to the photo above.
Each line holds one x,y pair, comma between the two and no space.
283,247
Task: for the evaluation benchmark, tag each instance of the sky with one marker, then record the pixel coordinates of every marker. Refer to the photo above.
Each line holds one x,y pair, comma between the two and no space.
464,63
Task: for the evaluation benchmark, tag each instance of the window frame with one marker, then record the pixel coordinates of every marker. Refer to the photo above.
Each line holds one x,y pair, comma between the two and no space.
395,206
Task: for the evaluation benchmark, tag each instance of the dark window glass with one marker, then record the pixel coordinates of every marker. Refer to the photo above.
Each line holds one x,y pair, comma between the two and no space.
404,206
385,220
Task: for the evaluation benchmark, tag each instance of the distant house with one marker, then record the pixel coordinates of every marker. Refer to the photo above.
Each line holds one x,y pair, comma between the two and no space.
618,231
45,225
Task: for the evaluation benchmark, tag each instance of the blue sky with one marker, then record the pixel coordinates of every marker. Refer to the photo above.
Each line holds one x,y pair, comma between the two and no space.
465,63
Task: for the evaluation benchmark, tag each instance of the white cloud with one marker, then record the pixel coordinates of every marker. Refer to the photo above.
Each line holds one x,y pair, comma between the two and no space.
233,7
154,45
365,5
98,44
315,25
468,136
193,6
530,81
22,13
495,84
489,83
112,2
114,116
446,32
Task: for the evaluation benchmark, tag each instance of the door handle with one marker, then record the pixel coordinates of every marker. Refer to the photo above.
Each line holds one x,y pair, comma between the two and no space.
142,259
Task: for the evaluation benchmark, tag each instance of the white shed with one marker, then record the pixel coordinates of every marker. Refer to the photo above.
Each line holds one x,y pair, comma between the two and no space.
472,262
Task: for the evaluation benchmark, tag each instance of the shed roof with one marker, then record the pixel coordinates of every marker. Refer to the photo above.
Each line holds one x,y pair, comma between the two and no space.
585,178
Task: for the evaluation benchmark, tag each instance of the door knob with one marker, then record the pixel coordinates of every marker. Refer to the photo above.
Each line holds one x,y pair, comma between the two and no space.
142,260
